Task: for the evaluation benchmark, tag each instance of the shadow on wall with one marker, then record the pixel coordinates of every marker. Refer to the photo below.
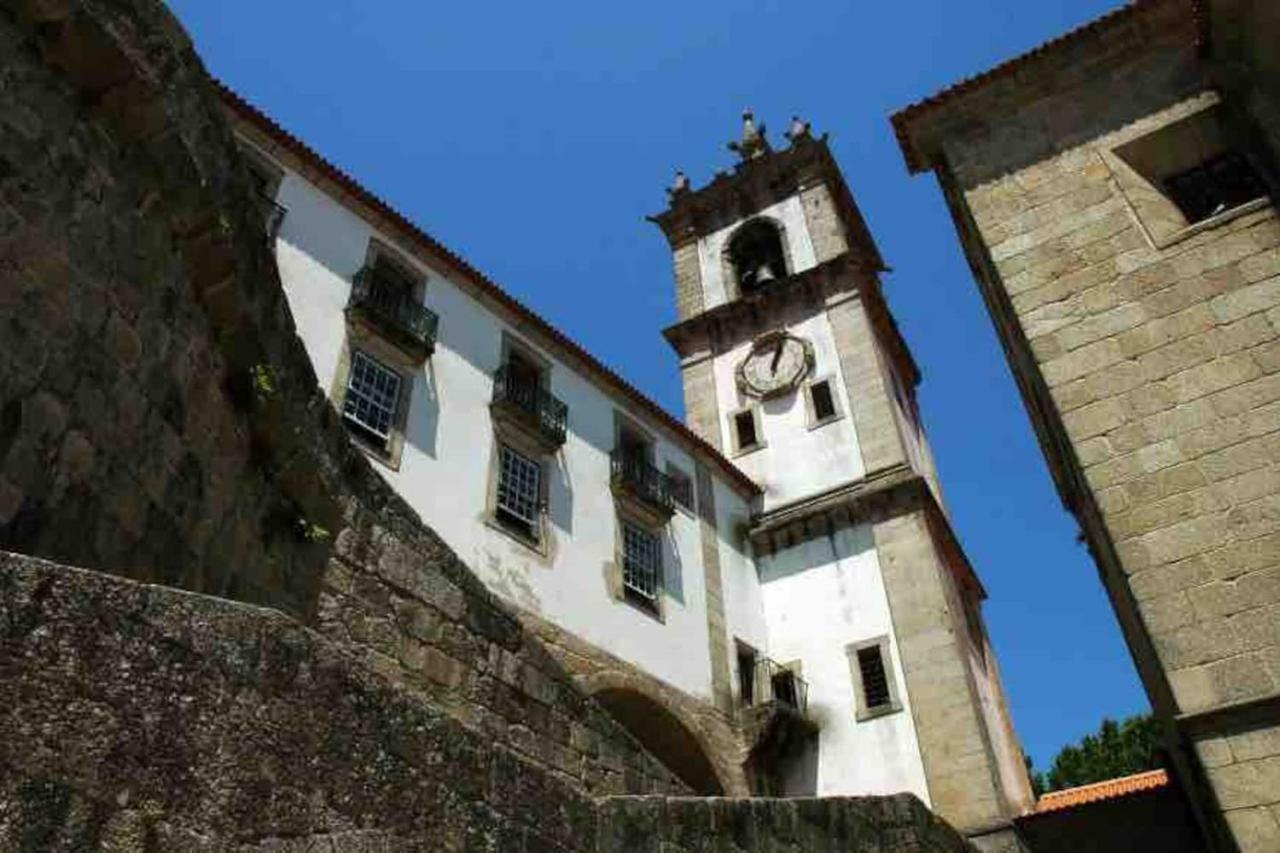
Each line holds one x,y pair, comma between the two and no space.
664,736
842,544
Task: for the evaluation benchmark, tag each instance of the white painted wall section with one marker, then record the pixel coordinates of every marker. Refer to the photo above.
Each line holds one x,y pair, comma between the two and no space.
818,598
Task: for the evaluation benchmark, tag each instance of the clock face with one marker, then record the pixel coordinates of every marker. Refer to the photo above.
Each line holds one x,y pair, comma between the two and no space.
775,365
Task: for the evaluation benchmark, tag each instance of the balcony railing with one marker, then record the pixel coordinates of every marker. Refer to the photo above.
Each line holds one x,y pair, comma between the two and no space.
524,397
634,475
776,683
393,308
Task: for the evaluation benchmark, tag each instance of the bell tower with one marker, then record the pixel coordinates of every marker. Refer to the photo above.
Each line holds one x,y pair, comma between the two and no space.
793,367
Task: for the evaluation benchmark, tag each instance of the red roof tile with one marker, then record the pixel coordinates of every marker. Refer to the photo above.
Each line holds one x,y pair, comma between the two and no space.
1100,791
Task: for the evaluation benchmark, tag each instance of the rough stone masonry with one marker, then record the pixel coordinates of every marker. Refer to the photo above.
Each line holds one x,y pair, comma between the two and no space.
1147,349
269,650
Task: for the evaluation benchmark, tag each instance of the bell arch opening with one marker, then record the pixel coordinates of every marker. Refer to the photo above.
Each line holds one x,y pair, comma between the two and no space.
757,255
664,736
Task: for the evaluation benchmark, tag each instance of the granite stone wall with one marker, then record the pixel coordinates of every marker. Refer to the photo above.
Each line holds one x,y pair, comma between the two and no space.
1151,367
145,718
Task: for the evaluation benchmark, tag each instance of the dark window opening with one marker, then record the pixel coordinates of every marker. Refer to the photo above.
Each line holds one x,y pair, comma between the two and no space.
746,675
1214,186
824,405
875,683
745,424
633,446
756,254
681,487
784,688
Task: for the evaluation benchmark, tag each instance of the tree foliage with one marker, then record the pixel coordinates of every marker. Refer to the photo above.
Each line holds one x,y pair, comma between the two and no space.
1116,749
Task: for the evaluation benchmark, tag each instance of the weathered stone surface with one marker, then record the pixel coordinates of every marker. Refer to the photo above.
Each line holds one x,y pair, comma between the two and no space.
1145,345
146,718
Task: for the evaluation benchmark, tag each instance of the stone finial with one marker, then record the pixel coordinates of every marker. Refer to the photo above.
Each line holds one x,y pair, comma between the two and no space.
753,143
680,185
799,130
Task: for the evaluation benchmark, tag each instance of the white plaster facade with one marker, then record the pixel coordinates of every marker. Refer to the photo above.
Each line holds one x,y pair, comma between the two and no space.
803,606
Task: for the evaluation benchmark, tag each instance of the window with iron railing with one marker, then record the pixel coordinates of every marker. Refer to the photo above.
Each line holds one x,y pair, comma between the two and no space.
391,304
773,682
637,475
522,391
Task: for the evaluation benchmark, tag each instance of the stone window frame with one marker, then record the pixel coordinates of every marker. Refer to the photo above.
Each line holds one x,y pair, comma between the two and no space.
729,273
742,648
755,410
862,713
655,609
512,343
373,345
812,421
1157,216
623,422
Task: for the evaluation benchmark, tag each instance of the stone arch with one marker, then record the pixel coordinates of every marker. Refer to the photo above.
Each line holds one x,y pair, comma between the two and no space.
663,729
728,267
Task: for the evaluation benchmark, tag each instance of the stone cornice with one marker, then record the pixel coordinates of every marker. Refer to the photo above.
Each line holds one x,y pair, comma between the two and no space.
887,492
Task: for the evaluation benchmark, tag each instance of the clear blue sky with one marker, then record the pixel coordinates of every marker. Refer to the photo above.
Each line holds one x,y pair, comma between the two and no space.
534,137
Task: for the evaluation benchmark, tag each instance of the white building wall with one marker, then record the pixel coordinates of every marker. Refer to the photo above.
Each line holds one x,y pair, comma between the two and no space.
789,213
797,461
819,597
449,441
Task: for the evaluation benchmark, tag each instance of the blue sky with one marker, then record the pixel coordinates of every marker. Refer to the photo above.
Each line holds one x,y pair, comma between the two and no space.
534,137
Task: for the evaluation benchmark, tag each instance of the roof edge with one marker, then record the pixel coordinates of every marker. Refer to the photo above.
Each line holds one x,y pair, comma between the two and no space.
454,262
1097,792
919,160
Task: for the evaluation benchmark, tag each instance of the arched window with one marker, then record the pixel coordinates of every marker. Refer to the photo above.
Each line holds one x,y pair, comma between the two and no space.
756,255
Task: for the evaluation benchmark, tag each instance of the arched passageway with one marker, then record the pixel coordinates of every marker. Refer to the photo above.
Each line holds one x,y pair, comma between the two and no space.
664,736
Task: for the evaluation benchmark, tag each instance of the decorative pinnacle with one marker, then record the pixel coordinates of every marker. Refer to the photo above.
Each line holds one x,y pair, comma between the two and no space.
679,185
753,142
799,130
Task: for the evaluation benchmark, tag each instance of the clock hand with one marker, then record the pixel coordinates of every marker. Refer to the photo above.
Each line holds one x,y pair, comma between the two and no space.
777,354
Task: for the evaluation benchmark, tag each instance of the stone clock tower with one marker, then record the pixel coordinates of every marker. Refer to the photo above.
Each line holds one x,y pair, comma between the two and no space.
794,367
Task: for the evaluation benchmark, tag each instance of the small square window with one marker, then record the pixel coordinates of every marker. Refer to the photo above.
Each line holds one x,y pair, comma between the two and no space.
519,499
681,487
745,425
874,687
822,400
373,390
1189,171
641,564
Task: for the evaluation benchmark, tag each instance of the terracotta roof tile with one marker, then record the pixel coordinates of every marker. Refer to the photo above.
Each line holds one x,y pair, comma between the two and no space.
1100,791
256,117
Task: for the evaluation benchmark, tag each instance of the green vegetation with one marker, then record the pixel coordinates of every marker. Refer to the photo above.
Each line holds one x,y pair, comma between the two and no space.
1117,749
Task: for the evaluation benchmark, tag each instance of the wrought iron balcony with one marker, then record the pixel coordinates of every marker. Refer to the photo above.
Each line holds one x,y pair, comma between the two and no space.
392,309
633,477
523,399
775,683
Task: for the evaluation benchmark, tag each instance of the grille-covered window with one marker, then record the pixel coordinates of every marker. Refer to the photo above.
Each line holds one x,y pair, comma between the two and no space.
1214,186
519,491
875,684
641,562
372,392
